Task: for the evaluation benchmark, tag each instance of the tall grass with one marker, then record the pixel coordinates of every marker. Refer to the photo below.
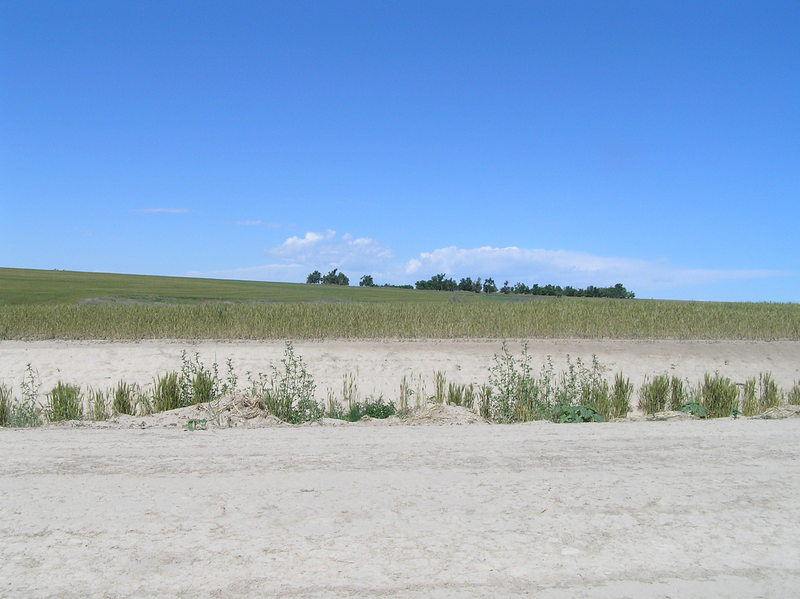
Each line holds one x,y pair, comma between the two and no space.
654,394
65,403
558,317
6,405
166,392
719,395
124,401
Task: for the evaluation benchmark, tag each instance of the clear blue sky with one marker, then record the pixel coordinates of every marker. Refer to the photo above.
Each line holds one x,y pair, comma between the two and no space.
656,144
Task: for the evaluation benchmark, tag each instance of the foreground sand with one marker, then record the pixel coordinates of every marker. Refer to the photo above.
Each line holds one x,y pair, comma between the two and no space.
638,509
378,366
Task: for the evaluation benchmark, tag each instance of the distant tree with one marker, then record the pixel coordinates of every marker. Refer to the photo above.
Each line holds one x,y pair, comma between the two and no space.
521,289
366,281
465,284
335,278
489,286
315,278
505,288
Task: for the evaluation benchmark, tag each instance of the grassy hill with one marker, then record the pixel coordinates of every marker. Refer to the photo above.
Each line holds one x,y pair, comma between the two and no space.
25,287
36,304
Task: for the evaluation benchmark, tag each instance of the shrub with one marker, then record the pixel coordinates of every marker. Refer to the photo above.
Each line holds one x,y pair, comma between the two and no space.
653,395
65,403
718,395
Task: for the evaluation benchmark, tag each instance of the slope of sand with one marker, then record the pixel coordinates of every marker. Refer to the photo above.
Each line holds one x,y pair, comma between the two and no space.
378,366
638,509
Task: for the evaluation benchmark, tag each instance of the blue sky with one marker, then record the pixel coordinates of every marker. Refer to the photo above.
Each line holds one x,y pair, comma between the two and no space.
655,144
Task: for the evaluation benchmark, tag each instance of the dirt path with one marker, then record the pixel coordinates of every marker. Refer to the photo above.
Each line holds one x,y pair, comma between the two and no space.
682,509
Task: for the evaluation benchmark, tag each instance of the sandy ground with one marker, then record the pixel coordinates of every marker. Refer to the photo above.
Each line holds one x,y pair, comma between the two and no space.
379,366
637,509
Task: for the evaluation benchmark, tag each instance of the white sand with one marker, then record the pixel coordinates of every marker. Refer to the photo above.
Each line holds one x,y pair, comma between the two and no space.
379,366
640,509
636,509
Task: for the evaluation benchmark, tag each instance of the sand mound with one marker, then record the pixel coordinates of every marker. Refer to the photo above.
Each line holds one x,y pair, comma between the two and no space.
780,412
442,414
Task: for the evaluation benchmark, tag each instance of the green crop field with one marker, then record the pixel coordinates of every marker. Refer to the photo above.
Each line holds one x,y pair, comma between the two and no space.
26,287
71,305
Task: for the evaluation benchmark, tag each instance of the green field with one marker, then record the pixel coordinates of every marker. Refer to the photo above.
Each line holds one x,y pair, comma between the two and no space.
71,305
26,287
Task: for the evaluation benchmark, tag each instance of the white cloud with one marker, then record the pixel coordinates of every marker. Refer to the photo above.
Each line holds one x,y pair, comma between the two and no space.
325,251
299,255
566,268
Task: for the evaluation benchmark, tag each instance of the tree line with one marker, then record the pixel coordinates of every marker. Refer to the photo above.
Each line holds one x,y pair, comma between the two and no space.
440,282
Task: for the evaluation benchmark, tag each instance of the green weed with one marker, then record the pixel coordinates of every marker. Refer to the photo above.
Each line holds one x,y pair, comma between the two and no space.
65,403
719,395
654,394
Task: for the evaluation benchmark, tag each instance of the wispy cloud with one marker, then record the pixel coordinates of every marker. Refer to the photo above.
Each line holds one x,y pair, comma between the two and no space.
566,267
162,210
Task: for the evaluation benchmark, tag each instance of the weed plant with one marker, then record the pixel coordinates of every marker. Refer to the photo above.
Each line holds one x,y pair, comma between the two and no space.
124,401
288,393
405,394
793,396
515,395
678,393
439,387
759,395
654,394
98,404
6,405
166,392
27,412
65,403
373,407
719,395
621,394
564,413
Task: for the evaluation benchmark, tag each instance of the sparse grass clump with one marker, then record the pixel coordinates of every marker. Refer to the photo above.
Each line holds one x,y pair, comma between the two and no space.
98,408
793,396
654,394
166,392
759,395
124,401
6,405
621,394
719,395
65,403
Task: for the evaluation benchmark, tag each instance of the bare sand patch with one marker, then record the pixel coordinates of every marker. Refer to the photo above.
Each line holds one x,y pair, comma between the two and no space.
638,509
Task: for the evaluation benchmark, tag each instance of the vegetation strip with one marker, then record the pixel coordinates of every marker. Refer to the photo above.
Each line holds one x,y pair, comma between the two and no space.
514,392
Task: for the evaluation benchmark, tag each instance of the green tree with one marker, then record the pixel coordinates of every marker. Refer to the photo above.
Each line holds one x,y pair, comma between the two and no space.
315,278
366,281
